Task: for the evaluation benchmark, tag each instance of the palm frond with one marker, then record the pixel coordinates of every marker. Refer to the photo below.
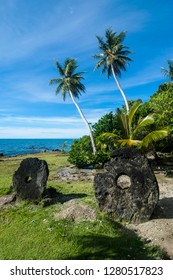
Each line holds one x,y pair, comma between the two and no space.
148,120
101,62
124,124
129,142
113,53
98,55
70,80
133,110
64,90
109,135
102,44
59,68
55,81
168,73
165,72
59,88
78,75
153,136
70,65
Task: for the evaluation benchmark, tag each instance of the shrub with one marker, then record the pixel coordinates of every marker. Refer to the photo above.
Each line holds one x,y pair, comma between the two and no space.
81,154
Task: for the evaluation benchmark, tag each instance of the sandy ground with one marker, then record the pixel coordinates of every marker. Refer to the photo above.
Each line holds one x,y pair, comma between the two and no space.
159,229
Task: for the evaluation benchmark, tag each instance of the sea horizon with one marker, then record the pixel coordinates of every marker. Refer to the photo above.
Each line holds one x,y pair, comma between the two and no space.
17,146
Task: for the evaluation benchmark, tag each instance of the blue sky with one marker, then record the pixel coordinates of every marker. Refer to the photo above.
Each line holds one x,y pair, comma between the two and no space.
35,33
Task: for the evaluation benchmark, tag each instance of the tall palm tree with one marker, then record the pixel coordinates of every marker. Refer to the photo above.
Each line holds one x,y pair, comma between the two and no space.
70,82
168,72
113,57
135,135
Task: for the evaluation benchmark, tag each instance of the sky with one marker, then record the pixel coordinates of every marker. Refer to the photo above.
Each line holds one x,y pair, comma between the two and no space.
36,33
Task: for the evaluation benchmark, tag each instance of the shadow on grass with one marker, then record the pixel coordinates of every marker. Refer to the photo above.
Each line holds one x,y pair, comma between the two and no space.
66,197
125,246
52,196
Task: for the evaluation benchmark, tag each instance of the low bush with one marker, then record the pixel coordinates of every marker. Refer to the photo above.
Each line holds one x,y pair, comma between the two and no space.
81,154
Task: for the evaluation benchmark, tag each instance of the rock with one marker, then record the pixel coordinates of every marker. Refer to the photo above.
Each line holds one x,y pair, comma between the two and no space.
128,189
29,181
8,199
72,173
56,150
1,154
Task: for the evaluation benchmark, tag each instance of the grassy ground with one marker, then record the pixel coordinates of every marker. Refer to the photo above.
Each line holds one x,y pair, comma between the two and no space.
29,231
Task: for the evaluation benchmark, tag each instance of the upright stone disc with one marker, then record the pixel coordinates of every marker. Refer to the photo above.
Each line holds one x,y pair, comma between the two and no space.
128,189
29,181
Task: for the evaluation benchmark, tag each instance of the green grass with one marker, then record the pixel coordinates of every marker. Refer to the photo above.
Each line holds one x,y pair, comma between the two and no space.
29,231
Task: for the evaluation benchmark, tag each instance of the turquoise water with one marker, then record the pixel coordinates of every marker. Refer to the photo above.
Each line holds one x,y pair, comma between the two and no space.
12,147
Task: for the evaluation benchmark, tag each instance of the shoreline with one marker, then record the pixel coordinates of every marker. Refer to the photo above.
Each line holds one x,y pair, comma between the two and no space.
60,153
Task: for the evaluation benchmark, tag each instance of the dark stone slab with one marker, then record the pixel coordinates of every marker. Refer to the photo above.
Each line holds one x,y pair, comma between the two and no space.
29,181
128,189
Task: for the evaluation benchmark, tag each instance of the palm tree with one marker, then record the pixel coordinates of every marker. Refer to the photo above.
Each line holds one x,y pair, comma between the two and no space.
70,82
168,72
113,57
135,135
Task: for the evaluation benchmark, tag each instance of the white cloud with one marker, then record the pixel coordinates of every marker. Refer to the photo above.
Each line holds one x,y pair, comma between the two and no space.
30,32
41,127
30,132
39,120
47,127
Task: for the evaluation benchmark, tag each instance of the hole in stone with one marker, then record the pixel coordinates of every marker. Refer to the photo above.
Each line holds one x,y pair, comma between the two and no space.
28,179
124,181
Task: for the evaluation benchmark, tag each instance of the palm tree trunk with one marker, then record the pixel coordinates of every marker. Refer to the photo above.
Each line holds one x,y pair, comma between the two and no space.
120,88
85,121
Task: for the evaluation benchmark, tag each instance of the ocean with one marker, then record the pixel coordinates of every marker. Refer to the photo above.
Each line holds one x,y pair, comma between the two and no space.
12,147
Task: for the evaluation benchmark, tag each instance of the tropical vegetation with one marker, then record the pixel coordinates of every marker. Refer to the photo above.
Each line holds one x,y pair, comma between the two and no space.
161,104
135,134
148,126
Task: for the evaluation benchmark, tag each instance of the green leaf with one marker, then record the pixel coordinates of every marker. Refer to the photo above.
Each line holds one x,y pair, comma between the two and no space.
148,120
129,142
133,110
153,137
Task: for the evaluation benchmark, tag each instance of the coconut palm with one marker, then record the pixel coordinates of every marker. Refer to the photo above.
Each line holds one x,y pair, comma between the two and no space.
70,82
113,57
168,72
135,135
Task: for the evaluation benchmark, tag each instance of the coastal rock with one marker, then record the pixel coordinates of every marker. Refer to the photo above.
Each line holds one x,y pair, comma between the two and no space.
128,189
71,174
29,181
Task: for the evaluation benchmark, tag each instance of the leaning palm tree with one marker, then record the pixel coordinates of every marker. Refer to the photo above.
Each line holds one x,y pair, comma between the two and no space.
70,82
168,73
137,135
113,57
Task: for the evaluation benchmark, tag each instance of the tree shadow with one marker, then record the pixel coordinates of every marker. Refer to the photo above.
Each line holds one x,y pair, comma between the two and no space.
163,165
125,246
52,196
66,197
164,209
